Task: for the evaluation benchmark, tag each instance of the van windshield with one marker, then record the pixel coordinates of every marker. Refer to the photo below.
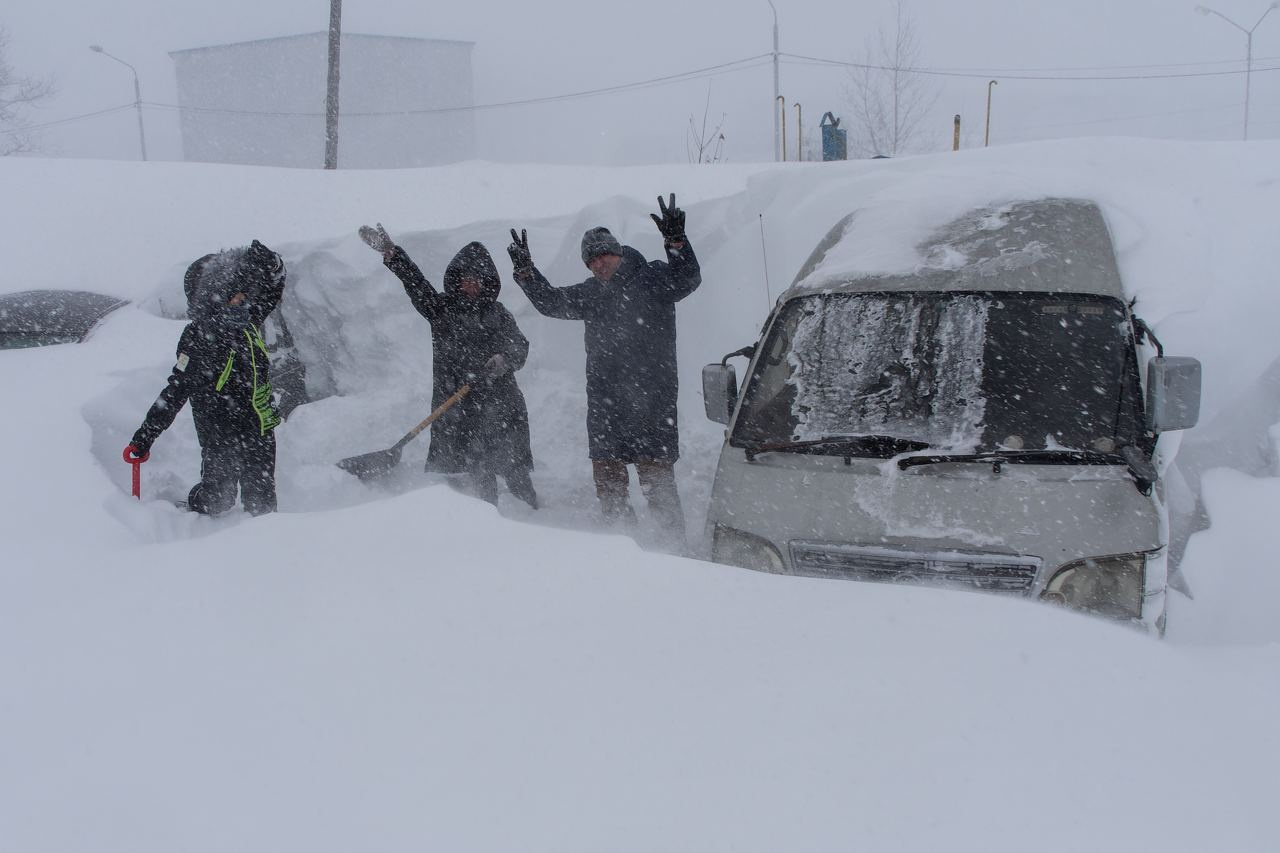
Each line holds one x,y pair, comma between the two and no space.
961,372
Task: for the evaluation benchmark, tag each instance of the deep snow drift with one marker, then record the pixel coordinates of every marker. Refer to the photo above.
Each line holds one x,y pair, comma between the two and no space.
400,666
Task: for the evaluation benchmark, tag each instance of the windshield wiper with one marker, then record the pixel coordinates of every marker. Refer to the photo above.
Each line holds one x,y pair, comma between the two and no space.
1144,473
877,446
1016,457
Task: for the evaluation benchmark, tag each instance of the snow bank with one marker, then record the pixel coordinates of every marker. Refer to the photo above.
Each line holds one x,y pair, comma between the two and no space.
401,667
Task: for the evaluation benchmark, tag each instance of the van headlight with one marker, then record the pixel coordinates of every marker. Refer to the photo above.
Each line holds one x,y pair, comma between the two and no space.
1109,586
735,548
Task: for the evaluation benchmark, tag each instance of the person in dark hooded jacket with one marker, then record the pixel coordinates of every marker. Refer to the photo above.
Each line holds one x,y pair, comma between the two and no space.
474,341
628,308
223,370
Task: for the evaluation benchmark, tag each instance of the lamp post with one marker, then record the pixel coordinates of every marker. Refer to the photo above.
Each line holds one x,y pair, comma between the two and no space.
782,99
799,132
777,136
1248,50
137,96
986,137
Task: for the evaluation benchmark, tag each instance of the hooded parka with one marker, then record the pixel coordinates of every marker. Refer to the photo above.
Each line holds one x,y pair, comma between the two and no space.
223,370
630,337
488,430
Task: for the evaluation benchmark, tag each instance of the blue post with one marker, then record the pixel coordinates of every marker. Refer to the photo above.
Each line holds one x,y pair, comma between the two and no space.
835,143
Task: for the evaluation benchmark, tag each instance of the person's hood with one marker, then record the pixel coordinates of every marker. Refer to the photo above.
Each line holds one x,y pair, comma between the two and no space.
216,279
191,281
473,260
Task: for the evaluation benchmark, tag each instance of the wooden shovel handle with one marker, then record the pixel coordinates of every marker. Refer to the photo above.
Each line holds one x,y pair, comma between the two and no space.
439,410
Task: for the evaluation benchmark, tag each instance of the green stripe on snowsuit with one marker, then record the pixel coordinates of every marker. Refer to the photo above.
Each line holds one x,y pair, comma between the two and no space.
268,419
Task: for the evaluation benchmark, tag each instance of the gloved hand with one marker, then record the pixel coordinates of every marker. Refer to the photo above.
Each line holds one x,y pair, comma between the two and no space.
377,238
496,365
672,222
139,444
521,259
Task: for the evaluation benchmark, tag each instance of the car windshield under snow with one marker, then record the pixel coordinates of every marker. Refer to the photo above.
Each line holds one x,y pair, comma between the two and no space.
961,372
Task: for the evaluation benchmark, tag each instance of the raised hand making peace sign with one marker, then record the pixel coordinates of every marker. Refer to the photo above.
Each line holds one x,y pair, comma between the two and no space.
672,222
521,259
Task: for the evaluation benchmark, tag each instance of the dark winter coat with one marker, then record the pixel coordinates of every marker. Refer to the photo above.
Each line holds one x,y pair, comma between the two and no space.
222,367
630,336
490,426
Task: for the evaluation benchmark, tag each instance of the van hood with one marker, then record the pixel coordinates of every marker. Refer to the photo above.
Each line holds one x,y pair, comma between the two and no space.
1055,513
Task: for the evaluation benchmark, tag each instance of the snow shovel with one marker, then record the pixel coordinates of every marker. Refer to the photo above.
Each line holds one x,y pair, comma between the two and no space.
131,457
367,466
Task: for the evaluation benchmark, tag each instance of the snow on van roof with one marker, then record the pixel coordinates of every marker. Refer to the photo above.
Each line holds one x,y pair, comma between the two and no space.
1049,245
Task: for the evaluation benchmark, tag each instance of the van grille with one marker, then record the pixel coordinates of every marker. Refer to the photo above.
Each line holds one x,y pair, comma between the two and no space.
991,572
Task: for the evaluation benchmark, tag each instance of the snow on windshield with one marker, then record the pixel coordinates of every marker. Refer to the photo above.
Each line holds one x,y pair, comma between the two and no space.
870,365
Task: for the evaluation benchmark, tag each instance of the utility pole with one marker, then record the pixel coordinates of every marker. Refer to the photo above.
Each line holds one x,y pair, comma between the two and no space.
331,101
777,134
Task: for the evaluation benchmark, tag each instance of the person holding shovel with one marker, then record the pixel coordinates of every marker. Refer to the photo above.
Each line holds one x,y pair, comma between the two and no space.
475,342
628,308
223,370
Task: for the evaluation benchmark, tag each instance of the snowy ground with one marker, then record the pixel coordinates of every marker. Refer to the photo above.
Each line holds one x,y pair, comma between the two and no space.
403,667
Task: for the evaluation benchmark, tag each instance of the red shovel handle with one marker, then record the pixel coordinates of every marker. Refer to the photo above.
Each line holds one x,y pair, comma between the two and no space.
131,456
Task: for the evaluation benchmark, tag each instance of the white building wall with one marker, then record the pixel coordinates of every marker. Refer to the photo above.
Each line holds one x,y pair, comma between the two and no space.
263,102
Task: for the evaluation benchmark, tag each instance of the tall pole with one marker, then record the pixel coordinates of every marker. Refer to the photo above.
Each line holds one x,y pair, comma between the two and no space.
783,110
137,97
986,137
777,133
331,102
1248,50
799,132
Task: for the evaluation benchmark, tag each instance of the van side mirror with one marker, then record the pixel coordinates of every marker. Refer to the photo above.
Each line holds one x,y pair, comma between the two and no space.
719,391
1173,393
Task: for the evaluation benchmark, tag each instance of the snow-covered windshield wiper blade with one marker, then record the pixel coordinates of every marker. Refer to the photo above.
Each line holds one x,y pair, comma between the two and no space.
1017,457
877,446
1144,473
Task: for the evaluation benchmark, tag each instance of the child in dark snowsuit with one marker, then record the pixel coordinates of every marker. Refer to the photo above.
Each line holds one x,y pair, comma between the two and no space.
474,341
223,370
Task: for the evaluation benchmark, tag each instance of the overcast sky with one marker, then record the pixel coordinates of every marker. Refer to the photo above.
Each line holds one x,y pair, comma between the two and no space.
534,49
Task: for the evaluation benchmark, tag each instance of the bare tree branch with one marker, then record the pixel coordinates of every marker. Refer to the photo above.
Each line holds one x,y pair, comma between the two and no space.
18,94
701,146
889,101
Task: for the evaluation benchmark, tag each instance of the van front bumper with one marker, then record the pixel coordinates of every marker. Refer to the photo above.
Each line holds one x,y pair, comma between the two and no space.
1122,587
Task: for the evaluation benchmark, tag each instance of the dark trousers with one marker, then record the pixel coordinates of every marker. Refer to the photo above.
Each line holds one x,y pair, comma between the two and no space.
657,482
247,464
518,482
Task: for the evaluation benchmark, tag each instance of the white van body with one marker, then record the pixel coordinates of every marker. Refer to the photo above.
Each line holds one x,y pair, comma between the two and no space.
985,425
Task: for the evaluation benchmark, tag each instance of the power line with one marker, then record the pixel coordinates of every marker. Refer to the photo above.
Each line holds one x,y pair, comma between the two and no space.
31,127
684,76
813,60
734,66
996,72
1130,117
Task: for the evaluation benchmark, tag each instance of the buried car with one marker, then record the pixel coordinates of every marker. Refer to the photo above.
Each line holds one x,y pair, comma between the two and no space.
34,318
979,424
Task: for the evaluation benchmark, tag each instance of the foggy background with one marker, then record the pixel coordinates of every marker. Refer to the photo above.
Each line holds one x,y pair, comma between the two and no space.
562,47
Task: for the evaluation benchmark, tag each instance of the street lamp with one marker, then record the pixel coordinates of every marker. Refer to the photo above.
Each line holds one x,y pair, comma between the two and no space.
986,137
776,132
1248,55
137,95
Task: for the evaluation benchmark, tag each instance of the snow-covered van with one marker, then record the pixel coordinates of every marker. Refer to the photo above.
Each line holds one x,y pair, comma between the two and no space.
989,421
